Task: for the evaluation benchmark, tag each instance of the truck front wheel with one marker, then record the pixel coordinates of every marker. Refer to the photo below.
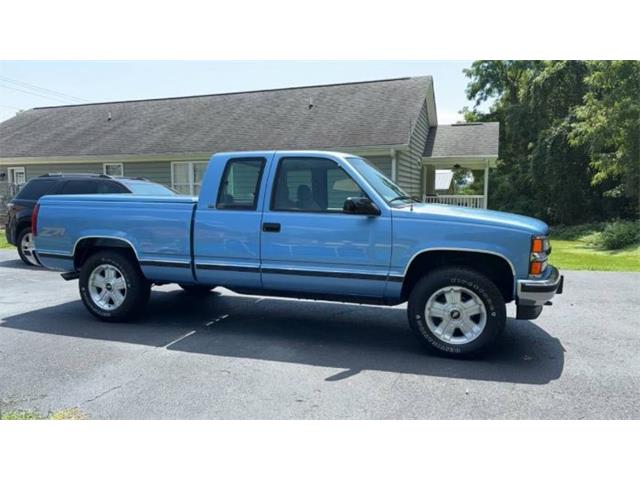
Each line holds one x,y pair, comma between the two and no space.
112,286
456,311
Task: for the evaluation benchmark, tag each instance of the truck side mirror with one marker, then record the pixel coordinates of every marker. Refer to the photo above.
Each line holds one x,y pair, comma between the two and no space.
360,206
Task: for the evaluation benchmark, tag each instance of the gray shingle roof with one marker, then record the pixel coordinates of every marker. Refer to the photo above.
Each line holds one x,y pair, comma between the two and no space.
328,116
463,139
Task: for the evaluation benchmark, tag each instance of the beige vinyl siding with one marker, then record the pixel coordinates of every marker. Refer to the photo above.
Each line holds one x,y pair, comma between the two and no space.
4,195
158,172
382,163
44,168
409,173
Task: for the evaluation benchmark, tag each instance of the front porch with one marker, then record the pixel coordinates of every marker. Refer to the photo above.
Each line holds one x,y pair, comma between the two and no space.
471,201
472,146
480,168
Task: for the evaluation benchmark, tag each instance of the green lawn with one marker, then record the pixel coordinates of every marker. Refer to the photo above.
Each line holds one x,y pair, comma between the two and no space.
66,414
3,240
581,255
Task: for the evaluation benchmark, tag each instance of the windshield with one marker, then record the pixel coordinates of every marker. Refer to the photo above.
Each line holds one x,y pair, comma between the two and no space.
148,188
388,190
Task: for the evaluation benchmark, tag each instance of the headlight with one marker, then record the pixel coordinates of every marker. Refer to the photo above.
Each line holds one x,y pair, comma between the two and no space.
540,250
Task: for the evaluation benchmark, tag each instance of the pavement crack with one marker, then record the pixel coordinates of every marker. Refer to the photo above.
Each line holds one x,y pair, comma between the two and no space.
102,394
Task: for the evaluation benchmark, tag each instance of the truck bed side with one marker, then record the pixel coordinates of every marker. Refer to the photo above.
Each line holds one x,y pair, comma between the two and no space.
156,228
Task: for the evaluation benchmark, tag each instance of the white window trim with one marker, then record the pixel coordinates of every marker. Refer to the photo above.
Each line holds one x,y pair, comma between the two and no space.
190,175
105,165
14,170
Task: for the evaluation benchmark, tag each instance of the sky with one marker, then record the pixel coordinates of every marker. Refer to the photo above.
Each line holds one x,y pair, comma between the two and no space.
28,84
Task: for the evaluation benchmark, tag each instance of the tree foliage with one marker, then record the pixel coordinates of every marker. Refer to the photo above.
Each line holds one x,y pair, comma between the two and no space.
568,139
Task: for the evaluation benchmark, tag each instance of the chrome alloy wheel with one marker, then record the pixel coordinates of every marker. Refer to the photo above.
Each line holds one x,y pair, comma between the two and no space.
27,247
107,287
455,315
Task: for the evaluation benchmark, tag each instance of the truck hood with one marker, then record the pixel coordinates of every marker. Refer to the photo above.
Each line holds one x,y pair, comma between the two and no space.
474,216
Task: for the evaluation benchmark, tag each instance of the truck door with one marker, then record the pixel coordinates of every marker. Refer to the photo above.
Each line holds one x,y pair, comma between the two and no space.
226,238
309,244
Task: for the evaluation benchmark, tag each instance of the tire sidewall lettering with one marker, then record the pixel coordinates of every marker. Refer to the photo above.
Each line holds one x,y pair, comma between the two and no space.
431,283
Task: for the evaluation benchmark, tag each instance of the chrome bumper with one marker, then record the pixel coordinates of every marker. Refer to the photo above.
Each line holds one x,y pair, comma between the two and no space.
535,293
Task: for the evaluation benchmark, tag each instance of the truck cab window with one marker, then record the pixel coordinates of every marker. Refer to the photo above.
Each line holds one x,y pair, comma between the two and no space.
312,185
240,184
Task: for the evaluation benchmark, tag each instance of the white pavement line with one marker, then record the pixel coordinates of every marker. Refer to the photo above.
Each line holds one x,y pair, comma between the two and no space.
216,320
179,339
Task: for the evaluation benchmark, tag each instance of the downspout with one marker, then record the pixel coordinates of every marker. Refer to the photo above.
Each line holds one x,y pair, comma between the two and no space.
394,165
486,184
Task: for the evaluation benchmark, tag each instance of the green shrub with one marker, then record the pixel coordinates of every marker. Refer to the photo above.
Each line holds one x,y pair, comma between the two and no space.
575,232
619,234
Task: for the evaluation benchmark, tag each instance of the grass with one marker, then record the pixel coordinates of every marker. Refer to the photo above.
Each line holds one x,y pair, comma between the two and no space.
3,240
577,248
66,414
580,255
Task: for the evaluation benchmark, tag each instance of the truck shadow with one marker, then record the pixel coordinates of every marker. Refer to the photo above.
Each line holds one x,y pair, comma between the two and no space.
19,265
352,338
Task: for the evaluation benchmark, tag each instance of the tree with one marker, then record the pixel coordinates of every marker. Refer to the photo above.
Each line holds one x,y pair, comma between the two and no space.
608,125
546,169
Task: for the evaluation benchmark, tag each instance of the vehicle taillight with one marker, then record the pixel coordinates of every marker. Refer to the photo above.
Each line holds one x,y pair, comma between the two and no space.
34,220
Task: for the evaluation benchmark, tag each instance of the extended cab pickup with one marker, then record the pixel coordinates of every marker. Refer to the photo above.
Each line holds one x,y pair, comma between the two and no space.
305,224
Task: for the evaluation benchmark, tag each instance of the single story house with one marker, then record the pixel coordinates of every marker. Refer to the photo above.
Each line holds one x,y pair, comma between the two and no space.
393,123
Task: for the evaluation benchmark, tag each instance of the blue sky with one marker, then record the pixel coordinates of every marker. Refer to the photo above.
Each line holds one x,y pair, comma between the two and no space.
102,81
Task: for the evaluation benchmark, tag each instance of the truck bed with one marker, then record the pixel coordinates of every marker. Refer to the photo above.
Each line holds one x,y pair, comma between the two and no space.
158,228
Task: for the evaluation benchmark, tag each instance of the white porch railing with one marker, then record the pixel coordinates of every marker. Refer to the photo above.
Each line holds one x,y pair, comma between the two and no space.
473,201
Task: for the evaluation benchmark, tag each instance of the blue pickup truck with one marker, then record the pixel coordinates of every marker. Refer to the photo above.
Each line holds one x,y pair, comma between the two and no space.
305,224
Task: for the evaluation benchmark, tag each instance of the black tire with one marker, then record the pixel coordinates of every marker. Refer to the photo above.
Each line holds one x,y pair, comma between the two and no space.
196,289
138,287
469,279
25,256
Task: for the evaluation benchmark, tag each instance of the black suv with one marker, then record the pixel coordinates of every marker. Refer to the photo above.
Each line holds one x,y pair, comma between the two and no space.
18,227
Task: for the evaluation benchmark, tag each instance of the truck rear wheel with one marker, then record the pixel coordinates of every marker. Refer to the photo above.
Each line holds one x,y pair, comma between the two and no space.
112,286
456,312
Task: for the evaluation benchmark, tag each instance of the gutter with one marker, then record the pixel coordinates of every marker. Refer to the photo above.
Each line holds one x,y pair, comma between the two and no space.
168,157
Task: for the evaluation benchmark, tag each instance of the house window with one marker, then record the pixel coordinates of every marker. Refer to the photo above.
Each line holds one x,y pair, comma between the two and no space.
113,169
16,178
186,177
17,175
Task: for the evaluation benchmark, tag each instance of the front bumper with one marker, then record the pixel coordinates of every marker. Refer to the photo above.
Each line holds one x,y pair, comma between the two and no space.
532,295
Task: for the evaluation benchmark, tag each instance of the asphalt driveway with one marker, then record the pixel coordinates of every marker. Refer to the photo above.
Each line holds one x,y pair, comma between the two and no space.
231,356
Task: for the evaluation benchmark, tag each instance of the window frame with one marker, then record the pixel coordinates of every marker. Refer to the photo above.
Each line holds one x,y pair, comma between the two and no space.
11,173
325,212
111,164
246,208
190,176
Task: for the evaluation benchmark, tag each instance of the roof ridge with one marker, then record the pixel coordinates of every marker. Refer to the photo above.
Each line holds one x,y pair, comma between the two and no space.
231,93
